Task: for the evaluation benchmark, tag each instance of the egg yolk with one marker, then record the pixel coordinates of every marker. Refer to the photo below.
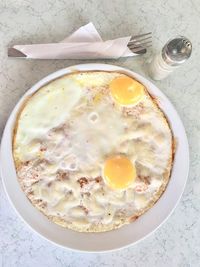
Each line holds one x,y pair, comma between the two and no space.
119,172
126,91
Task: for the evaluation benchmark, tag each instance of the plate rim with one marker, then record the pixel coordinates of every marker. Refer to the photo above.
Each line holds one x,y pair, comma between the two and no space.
57,74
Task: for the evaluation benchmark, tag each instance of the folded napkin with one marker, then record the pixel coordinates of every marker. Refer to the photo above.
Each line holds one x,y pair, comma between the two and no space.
85,43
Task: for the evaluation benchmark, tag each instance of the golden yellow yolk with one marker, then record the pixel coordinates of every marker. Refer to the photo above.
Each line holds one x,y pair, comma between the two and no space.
126,91
119,172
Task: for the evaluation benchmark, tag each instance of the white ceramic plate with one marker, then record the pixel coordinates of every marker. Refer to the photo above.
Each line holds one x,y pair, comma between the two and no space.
126,235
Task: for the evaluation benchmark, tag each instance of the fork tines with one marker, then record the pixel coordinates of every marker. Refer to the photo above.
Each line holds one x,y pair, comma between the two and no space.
140,43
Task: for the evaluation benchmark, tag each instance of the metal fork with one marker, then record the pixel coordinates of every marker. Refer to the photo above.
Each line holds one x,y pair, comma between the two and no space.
139,43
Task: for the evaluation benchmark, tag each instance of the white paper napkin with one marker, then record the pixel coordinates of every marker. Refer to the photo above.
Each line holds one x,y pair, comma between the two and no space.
85,43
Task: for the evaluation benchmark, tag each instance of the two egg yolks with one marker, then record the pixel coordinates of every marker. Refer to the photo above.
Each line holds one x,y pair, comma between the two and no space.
126,91
119,172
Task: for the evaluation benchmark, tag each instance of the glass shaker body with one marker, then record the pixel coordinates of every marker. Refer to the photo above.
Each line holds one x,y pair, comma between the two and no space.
159,69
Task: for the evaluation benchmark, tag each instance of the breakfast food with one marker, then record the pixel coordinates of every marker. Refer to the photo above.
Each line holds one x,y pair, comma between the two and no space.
92,150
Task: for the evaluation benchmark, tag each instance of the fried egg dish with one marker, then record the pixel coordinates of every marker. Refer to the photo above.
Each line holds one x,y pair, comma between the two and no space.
92,150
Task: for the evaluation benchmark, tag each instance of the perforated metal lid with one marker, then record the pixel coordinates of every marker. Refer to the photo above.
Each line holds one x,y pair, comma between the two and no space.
177,51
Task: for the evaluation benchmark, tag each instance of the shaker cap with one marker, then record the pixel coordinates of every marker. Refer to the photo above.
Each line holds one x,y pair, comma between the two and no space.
177,50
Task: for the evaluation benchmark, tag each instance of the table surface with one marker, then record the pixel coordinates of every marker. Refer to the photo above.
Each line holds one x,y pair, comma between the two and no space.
177,242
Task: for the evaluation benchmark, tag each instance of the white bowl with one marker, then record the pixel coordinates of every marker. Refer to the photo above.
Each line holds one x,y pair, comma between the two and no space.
126,235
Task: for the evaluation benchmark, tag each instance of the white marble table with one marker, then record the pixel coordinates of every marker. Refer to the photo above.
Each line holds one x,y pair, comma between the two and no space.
177,242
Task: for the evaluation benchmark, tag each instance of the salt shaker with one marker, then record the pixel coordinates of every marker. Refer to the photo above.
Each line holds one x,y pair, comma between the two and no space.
174,53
